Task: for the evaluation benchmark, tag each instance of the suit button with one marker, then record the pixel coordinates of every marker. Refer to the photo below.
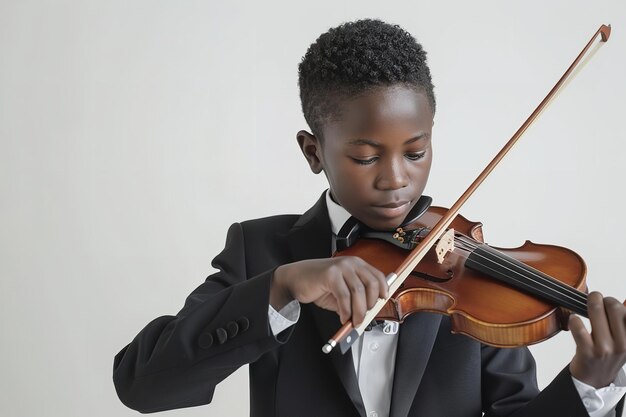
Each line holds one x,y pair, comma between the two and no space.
221,335
243,323
232,329
205,340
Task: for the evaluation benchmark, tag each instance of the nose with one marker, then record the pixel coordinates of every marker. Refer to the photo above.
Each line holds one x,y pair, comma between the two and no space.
393,175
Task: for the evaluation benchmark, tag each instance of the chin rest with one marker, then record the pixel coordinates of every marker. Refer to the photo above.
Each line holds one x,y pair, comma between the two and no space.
353,229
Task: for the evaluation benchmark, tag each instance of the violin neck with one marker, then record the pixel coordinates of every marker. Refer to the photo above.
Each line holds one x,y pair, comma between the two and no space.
502,267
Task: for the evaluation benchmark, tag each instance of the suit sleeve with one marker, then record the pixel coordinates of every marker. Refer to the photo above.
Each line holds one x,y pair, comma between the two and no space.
176,361
510,387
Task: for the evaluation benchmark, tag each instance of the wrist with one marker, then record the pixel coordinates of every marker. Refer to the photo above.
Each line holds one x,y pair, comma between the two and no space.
589,377
280,295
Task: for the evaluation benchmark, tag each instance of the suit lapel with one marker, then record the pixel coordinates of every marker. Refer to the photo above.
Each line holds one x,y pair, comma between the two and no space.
311,238
416,339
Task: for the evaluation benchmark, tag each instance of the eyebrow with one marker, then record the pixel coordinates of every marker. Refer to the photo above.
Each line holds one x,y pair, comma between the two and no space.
369,142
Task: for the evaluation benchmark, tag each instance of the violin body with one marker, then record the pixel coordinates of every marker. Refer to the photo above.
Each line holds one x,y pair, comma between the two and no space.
479,306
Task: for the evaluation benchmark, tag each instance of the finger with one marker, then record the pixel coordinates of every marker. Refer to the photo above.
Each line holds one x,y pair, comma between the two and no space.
383,288
358,297
372,287
616,313
580,334
341,293
600,332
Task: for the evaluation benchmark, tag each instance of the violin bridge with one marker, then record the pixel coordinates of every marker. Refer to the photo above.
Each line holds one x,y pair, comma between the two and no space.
445,245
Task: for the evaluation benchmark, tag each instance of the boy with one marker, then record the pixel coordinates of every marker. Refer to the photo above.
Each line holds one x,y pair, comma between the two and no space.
368,98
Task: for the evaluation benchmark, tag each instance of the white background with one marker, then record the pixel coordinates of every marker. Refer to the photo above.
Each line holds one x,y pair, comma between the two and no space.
133,133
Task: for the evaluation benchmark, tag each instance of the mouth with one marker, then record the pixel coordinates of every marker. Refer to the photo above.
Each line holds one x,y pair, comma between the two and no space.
393,209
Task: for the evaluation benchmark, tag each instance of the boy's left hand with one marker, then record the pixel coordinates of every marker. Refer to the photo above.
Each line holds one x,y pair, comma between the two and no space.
600,354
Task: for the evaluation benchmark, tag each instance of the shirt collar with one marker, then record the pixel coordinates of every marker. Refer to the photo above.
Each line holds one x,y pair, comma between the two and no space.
337,214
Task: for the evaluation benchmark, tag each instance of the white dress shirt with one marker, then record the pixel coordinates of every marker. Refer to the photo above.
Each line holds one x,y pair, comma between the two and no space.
374,354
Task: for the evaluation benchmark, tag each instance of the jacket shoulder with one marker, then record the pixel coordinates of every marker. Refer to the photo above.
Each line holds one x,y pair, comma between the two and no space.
282,222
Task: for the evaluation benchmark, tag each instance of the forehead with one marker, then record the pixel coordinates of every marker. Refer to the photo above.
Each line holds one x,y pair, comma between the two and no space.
382,112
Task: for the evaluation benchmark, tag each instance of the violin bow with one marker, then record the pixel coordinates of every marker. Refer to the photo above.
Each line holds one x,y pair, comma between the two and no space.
349,333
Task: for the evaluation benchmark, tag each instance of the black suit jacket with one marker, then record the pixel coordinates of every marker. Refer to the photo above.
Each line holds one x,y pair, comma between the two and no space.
176,361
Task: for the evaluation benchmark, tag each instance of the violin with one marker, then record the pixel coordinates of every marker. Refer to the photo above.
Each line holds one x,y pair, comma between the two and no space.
501,297
438,262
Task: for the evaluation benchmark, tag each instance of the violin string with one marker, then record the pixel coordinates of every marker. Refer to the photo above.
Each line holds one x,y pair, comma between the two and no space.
543,286
540,276
550,294
471,246
561,298
576,297
546,281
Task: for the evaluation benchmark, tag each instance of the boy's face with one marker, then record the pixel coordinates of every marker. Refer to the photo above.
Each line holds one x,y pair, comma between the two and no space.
377,156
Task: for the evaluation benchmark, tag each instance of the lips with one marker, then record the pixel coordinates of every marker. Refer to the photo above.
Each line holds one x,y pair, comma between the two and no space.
393,204
391,210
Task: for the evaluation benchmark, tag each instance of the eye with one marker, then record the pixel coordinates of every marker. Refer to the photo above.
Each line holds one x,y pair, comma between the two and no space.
415,156
365,161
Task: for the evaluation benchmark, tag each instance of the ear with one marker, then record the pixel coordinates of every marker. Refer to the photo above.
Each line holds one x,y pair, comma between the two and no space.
311,149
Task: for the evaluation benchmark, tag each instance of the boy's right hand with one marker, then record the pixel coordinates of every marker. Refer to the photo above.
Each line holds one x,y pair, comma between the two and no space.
347,285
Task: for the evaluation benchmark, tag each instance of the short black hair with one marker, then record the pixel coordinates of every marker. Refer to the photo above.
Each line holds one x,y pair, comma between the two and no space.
354,58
